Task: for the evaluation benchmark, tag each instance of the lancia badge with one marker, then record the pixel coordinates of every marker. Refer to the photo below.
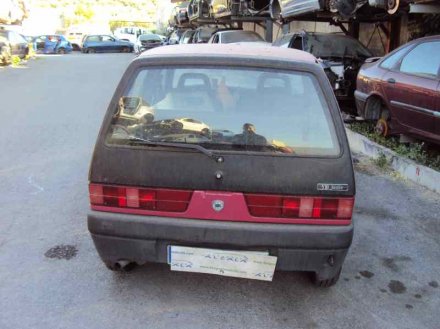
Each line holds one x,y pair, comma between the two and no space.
218,205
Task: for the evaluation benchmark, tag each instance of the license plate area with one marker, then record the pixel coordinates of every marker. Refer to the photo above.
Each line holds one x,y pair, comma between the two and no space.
257,265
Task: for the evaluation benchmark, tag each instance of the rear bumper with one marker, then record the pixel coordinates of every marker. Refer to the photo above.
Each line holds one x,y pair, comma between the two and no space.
144,239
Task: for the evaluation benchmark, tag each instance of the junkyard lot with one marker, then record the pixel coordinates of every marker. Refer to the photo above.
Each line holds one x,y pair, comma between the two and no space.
390,278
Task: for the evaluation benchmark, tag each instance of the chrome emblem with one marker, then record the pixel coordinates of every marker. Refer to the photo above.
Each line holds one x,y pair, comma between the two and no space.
218,205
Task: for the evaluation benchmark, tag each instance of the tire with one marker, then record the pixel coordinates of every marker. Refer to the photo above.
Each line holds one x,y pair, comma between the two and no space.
61,51
125,49
275,11
392,6
326,283
383,124
91,51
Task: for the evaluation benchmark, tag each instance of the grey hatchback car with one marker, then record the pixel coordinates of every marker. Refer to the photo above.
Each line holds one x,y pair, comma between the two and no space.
219,160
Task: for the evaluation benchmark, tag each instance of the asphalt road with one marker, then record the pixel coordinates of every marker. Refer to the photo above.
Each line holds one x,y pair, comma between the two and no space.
50,114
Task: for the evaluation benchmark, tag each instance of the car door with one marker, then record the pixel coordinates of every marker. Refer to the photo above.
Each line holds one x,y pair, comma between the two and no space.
51,43
412,87
40,43
108,43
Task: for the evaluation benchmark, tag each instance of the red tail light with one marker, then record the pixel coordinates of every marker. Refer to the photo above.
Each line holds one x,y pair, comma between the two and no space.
139,198
262,205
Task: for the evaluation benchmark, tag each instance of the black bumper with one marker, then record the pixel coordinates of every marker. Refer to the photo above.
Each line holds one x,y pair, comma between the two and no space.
142,239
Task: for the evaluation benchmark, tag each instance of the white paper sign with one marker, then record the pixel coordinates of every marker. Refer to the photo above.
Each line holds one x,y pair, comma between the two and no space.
238,264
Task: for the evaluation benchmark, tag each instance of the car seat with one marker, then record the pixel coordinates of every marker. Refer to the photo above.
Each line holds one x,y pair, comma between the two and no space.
197,97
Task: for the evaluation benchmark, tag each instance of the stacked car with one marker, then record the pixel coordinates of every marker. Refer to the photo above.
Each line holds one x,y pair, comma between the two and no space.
283,10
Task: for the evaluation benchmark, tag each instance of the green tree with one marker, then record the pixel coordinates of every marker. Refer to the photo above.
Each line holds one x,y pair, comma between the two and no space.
84,12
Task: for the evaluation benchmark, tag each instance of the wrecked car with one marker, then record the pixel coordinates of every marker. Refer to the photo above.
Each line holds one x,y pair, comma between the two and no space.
225,8
341,57
401,91
240,167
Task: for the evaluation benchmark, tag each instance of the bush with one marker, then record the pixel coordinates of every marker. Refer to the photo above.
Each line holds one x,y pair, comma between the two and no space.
417,152
381,161
15,60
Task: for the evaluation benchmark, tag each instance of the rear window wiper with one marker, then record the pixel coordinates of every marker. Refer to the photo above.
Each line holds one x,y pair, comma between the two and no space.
199,148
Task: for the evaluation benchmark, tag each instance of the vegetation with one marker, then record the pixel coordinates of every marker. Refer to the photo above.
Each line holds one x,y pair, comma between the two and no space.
16,61
381,161
418,152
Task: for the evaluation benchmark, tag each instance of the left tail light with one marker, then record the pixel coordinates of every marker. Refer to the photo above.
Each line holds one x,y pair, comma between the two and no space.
167,200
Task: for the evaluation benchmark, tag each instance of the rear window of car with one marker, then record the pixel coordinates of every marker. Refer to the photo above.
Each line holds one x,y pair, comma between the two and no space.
226,108
149,37
240,36
334,45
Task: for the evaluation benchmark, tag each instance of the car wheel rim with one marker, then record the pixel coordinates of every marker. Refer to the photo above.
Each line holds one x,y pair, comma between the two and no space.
393,6
381,127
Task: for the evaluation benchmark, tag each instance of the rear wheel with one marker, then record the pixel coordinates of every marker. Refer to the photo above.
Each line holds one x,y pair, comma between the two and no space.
382,127
91,51
326,282
61,51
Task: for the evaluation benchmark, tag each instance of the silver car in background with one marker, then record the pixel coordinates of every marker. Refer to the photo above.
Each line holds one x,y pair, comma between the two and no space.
147,41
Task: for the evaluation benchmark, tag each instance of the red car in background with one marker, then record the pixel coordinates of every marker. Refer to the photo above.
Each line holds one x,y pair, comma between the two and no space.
402,90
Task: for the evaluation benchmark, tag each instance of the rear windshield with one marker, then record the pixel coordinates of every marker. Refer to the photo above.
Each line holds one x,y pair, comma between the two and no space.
334,45
240,36
149,37
229,109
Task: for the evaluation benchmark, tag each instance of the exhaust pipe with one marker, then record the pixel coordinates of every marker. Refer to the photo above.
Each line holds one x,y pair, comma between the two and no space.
125,265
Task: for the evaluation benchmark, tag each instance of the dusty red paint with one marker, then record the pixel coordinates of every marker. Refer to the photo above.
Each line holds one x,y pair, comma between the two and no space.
412,100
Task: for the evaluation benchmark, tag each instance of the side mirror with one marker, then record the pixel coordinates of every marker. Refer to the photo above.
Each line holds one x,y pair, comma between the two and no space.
372,59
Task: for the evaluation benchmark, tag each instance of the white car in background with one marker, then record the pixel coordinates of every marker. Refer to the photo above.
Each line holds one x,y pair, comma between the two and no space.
130,33
193,125
147,41
235,36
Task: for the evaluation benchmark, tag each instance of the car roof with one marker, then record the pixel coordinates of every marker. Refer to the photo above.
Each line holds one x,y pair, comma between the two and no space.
424,39
230,51
235,31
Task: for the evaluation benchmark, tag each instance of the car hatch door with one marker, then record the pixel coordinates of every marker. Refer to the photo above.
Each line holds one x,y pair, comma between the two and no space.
50,44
